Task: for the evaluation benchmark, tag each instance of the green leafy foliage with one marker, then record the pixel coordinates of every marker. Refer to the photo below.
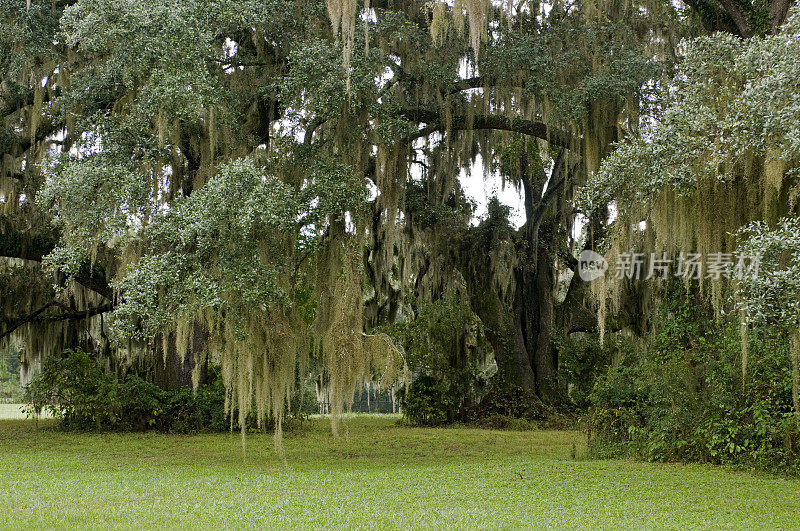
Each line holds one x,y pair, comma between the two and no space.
681,397
730,99
10,389
582,358
431,401
503,404
76,390
445,352
772,295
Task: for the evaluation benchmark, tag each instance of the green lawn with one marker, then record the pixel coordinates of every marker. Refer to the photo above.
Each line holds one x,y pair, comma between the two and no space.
378,474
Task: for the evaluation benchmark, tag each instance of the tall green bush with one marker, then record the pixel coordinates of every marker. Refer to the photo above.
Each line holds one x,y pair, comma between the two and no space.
75,389
681,397
446,353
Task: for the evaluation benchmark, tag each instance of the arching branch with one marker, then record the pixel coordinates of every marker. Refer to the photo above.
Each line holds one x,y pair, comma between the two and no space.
434,123
68,314
312,127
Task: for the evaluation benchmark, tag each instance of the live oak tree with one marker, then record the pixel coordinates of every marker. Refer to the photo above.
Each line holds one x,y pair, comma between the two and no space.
268,180
716,172
30,88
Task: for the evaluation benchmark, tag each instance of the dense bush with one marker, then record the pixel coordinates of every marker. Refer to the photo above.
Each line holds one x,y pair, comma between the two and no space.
76,390
503,400
681,397
446,353
582,359
431,400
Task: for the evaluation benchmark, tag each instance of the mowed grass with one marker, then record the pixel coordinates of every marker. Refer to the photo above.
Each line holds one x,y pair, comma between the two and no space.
378,474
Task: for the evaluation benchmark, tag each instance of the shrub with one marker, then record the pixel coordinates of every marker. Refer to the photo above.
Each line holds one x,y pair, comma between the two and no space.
581,361
505,400
76,390
10,388
141,404
429,401
446,352
504,422
681,397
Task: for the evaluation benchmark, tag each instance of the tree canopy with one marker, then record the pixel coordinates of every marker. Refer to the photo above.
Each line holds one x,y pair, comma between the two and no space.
276,183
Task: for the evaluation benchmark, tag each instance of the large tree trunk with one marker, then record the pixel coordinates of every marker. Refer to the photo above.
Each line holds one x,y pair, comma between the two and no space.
521,330
536,274
521,327
538,307
503,328
170,371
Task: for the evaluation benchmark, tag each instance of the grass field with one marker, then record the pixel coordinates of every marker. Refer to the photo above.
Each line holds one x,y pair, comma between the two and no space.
379,474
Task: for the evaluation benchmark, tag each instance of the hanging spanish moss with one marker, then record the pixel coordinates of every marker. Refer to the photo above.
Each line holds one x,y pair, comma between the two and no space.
704,222
343,15
710,167
41,322
477,18
259,359
350,357
794,349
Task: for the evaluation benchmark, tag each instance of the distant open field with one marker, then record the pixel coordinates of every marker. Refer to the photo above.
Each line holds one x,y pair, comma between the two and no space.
15,412
379,474
11,411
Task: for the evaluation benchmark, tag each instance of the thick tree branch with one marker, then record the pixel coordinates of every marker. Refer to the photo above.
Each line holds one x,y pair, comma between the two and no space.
312,127
570,261
96,282
434,123
12,103
469,83
25,247
456,87
23,142
741,20
69,314
25,319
